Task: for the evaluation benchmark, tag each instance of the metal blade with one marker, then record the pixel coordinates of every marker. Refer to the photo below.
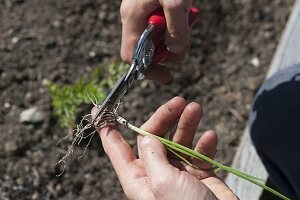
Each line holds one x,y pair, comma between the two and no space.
114,96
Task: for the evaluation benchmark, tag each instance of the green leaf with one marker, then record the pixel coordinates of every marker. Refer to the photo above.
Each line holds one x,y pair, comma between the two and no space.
178,148
66,99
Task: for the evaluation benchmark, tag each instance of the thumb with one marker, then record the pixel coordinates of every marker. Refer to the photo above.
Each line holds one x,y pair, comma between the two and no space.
154,157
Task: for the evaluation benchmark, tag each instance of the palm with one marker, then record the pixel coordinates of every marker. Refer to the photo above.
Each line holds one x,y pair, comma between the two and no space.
155,176
141,186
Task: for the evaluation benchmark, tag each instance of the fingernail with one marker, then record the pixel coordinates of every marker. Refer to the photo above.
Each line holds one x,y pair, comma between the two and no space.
176,49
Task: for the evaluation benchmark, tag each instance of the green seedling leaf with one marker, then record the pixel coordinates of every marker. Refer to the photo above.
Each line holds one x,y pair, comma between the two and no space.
175,147
66,99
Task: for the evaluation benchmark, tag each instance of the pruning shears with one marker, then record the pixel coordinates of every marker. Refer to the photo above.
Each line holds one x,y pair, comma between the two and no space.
151,48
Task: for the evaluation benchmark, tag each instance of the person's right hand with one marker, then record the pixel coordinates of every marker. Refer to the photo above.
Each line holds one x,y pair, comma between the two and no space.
135,15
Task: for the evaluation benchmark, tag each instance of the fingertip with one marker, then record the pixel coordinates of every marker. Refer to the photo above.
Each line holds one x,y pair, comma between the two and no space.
194,108
187,125
107,128
176,105
207,143
106,132
211,136
178,100
191,115
165,116
94,111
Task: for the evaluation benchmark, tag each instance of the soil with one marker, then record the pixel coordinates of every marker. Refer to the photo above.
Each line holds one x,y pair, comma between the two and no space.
231,49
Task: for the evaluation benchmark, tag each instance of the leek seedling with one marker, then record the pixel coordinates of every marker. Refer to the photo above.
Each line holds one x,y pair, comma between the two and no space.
177,148
111,117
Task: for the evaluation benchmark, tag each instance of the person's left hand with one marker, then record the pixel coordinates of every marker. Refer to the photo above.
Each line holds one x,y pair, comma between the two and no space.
155,175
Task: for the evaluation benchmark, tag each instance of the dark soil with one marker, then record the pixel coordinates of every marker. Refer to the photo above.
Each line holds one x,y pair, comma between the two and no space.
60,40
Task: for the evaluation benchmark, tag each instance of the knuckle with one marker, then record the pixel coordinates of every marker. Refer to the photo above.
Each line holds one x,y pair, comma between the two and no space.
124,9
178,36
174,5
125,56
127,47
180,33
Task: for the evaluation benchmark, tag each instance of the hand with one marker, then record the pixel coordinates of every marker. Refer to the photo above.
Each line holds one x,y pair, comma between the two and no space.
154,175
135,14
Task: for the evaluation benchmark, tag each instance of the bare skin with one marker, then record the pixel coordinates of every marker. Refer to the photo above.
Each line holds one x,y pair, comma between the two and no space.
135,14
154,174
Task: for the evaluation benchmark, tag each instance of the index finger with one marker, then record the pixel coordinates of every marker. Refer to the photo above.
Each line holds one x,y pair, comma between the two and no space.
117,149
165,116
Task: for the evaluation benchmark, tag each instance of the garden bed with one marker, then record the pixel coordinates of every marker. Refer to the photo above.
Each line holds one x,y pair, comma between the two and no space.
231,49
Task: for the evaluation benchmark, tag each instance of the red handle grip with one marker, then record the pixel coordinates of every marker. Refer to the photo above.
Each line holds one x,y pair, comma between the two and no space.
159,21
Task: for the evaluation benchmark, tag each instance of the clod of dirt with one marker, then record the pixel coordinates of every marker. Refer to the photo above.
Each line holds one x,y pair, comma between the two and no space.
10,147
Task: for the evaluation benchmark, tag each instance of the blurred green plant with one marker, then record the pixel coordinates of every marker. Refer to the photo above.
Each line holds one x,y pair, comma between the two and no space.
66,99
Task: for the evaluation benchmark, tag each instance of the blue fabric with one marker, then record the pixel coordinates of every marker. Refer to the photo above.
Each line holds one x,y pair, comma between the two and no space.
275,129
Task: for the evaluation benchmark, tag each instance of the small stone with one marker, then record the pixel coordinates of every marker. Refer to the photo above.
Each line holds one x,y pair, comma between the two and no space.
45,82
20,181
87,176
92,54
102,15
6,105
32,115
35,195
10,147
28,95
56,23
255,62
248,106
14,40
